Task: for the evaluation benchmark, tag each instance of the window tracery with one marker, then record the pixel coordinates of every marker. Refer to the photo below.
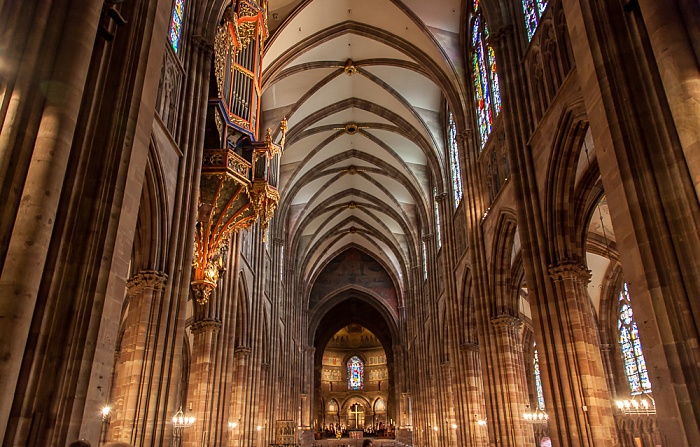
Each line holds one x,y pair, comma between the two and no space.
176,24
538,380
456,171
533,10
355,373
484,76
438,230
631,347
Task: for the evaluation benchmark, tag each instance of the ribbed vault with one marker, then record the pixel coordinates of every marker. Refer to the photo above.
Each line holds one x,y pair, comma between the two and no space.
364,86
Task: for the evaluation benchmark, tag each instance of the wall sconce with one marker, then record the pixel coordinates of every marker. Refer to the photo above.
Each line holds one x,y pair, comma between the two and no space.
536,417
643,405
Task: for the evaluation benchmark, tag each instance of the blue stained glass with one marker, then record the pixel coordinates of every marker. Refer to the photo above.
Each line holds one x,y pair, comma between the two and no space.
538,382
176,24
487,90
355,373
533,10
495,87
457,189
631,347
531,17
438,231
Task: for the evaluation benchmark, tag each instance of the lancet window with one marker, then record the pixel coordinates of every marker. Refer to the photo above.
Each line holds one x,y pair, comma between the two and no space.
438,230
484,76
533,10
631,347
456,171
538,381
355,373
176,24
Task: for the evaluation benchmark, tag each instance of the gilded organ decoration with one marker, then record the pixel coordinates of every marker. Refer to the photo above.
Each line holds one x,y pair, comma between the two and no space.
240,172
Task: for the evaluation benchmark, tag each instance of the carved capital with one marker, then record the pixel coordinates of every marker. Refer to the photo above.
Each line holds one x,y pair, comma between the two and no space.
146,279
506,321
310,350
446,366
465,136
502,33
205,325
201,43
242,352
441,197
265,367
569,270
469,347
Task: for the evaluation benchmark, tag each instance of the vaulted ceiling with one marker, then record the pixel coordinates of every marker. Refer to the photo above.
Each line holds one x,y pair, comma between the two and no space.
363,84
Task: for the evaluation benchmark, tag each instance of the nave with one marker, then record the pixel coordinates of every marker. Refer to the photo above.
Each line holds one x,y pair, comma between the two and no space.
238,223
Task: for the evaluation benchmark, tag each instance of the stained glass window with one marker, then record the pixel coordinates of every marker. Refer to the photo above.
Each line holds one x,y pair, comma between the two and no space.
533,9
355,373
631,347
487,90
538,382
425,262
176,24
438,231
454,160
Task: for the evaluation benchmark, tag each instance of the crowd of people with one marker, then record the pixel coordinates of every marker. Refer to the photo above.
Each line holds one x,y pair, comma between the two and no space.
84,443
332,431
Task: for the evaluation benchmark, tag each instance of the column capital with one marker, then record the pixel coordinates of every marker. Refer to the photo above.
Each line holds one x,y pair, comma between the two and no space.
205,325
502,33
441,197
146,279
569,270
242,352
469,347
310,349
203,44
278,241
465,135
504,320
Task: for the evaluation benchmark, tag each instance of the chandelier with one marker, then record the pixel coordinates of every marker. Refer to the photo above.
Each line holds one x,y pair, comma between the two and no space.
539,416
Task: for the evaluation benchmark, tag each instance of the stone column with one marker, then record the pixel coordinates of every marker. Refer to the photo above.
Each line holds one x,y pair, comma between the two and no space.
138,365
201,384
470,431
573,362
36,130
307,396
678,66
449,434
649,183
241,358
513,398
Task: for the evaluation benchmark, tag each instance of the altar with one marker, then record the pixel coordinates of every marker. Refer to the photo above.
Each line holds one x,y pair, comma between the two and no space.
356,434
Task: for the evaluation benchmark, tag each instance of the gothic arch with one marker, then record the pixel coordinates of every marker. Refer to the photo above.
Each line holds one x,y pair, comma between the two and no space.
501,277
149,251
345,293
242,332
563,241
468,311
